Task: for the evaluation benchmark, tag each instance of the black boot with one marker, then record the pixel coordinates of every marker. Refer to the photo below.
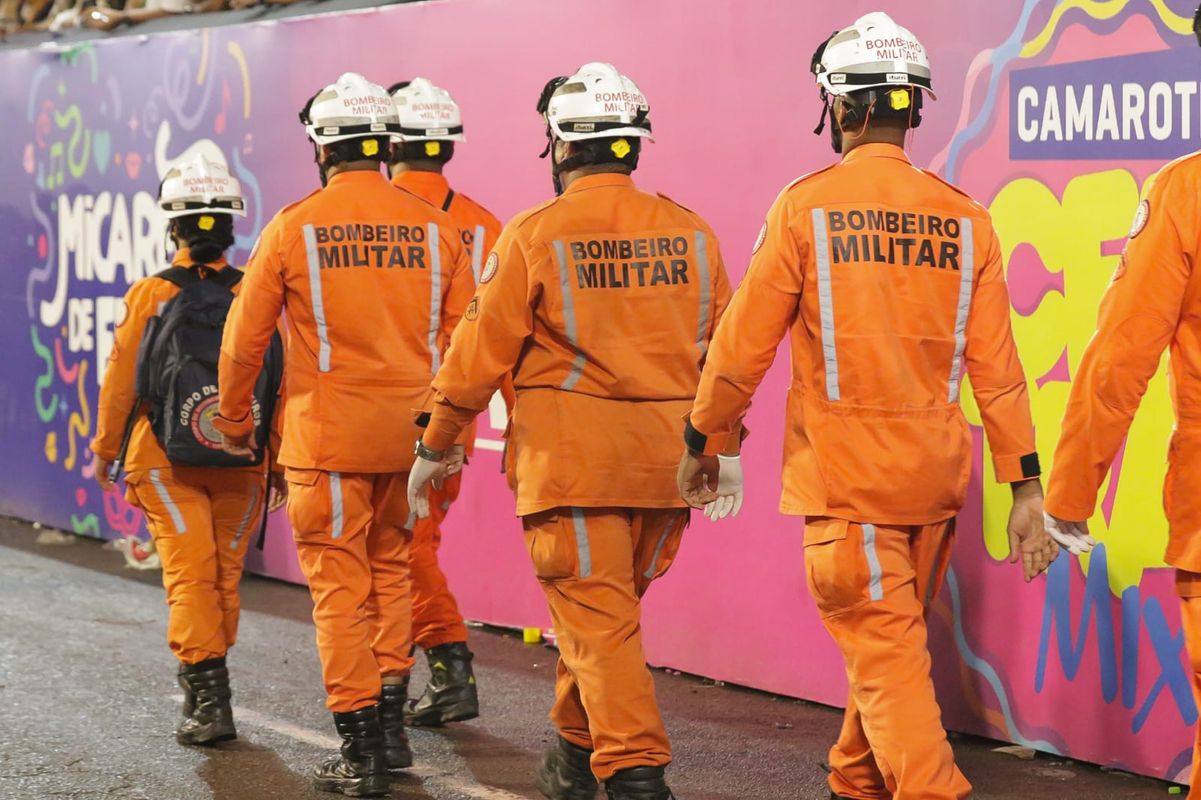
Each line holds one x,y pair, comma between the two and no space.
392,719
206,693
638,783
566,773
450,696
361,770
189,699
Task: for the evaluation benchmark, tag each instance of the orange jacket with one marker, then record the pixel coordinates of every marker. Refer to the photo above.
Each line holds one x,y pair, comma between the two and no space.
477,225
373,280
145,299
1153,302
601,303
892,284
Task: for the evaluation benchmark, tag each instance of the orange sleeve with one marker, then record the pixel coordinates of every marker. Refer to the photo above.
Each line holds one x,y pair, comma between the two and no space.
1138,318
485,348
998,381
117,390
252,319
745,343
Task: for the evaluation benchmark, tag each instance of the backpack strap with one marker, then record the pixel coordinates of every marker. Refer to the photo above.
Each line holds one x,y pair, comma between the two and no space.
228,277
180,276
185,276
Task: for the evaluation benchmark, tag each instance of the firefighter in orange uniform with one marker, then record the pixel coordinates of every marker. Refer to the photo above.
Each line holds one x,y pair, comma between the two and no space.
430,126
890,284
201,518
601,304
372,280
1153,303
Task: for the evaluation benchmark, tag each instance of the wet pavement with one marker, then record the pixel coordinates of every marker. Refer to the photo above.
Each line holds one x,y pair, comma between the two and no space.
88,704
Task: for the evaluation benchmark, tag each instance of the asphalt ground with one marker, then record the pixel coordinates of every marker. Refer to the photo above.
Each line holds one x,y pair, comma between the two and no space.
88,705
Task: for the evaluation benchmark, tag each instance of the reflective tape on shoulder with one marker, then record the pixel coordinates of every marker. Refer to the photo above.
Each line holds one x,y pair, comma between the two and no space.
435,294
569,320
702,263
172,509
967,268
317,299
825,301
477,252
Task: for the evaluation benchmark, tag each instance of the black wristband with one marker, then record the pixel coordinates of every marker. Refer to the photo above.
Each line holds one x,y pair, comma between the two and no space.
694,440
1030,466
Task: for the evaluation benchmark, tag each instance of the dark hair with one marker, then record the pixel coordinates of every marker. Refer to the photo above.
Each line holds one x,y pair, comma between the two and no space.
882,110
608,150
415,151
357,149
205,246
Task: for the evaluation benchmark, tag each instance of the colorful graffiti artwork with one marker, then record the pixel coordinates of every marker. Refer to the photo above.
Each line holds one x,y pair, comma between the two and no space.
1060,143
96,153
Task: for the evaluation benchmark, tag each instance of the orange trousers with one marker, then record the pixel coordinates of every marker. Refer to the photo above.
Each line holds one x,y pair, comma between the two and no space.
352,537
1188,587
436,616
202,520
595,564
873,585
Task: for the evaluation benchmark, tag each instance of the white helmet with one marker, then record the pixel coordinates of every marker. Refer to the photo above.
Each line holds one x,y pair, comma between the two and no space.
350,108
597,102
200,186
427,113
873,53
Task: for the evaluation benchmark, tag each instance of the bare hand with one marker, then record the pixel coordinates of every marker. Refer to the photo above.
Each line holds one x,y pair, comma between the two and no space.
1028,538
697,479
278,486
455,460
238,446
103,470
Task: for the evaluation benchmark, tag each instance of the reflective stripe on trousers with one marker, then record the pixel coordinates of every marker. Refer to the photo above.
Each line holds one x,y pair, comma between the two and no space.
337,510
246,517
875,574
173,510
581,542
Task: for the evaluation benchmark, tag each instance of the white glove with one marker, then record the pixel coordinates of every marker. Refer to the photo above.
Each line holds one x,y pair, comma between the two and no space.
424,473
1071,536
729,489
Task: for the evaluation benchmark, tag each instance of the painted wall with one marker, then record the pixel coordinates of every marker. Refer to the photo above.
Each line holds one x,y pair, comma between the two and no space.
1053,114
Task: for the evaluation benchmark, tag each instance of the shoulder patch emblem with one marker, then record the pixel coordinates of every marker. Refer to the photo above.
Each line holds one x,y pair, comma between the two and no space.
1140,218
490,267
762,238
473,310
122,315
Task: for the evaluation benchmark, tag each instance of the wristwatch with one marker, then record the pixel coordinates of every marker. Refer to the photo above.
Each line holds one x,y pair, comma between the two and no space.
429,455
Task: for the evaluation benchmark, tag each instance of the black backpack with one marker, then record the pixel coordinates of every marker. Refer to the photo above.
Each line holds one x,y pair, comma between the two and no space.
177,371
